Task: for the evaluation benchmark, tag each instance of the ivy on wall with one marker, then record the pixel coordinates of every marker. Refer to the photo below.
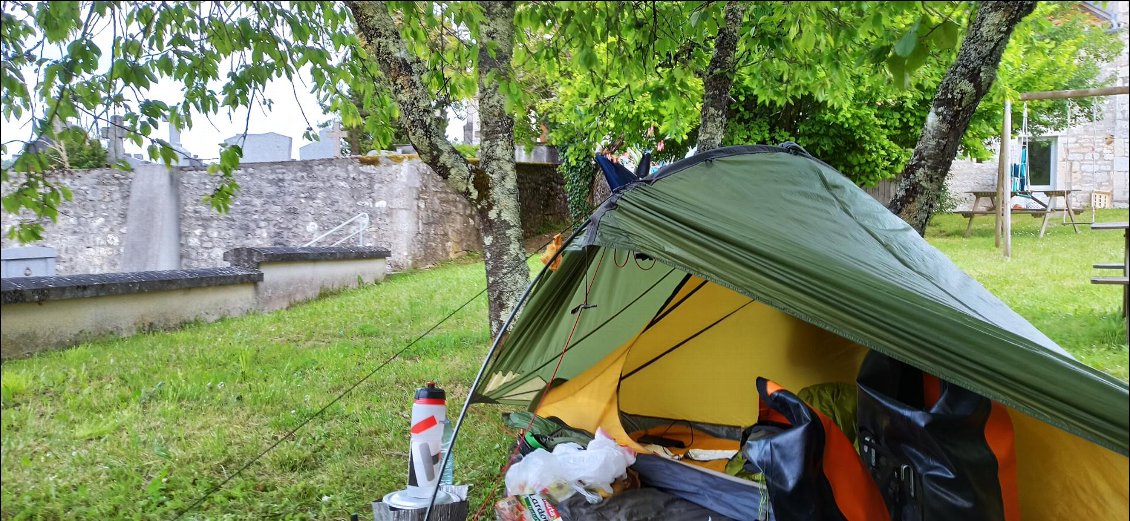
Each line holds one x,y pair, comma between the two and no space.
578,168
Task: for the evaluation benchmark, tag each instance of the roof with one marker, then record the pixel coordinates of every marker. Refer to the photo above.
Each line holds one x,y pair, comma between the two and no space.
789,231
238,137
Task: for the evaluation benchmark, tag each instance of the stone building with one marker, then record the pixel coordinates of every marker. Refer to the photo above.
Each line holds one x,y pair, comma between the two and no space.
1091,156
262,148
155,218
328,144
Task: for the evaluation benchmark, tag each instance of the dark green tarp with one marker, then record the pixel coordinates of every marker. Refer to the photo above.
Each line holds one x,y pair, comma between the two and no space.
785,229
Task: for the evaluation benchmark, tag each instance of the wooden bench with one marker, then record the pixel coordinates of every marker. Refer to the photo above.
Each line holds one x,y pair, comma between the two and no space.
1111,280
1124,280
1034,212
1045,210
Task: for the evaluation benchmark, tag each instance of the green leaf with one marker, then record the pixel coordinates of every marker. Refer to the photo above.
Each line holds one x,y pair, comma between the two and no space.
917,59
945,35
897,68
586,58
906,44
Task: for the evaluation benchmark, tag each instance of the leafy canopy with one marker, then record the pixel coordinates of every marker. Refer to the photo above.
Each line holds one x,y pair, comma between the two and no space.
65,61
68,61
850,81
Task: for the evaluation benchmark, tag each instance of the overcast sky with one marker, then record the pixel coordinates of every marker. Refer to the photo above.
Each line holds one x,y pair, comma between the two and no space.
285,117
203,139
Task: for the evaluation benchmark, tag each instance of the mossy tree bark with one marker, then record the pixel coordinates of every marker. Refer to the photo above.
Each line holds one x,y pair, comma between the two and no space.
491,186
507,274
719,79
922,182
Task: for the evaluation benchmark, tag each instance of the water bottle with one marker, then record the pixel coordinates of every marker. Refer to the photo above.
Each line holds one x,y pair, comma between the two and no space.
448,476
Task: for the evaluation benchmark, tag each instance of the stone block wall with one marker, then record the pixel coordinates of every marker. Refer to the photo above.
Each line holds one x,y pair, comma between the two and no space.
412,212
541,192
91,228
967,175
289,203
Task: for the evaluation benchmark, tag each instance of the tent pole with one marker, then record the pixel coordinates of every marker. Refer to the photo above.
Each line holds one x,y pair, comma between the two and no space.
490,354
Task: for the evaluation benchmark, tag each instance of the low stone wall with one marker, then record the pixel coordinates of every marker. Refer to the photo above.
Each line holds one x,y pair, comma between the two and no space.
41,313
296,274
411,210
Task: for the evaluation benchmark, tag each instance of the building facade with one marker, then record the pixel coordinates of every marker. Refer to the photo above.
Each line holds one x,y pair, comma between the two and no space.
1091,157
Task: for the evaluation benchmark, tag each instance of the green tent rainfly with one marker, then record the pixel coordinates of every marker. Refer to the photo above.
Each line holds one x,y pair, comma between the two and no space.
786,230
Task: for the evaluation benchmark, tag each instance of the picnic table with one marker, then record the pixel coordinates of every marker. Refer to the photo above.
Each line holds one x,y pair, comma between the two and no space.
1044,209
1124,280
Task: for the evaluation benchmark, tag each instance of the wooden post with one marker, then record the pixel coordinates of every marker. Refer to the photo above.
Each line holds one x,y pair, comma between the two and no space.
1002,173
1078,93
1004,186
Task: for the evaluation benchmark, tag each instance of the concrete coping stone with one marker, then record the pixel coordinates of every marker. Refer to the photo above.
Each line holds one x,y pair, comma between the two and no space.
19,290
28,252
251,258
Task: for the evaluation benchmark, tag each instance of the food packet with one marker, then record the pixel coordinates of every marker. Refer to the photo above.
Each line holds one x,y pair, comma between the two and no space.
527,507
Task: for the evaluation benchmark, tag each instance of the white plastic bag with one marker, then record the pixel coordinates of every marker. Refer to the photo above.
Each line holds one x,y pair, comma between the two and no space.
570,468
537,473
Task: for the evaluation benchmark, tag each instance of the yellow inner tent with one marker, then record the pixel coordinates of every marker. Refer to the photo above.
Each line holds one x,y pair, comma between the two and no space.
698,361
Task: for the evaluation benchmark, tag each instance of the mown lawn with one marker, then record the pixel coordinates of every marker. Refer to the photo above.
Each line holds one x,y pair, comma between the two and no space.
143,426
1047,280
140,427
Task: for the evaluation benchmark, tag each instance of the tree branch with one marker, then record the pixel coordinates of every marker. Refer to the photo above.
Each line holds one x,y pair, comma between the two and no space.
381,39
719,79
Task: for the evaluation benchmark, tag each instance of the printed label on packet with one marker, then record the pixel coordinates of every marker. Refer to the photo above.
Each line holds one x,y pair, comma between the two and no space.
539,509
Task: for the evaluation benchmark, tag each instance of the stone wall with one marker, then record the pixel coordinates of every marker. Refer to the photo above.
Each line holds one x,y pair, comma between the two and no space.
59,311
91,228
967,175
412,211
541,191
289,203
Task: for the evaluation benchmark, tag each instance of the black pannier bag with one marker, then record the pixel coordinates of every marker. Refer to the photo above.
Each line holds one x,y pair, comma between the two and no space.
936,450
810,469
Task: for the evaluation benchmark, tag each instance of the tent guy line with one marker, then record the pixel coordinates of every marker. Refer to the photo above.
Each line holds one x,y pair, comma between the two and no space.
343,394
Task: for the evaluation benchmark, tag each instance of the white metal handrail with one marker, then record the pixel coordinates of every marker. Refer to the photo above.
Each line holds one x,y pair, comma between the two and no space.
362,222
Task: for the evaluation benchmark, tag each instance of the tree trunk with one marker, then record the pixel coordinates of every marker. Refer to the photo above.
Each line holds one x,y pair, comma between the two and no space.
354,137
922,182
507,273
719,79
425,125
491,188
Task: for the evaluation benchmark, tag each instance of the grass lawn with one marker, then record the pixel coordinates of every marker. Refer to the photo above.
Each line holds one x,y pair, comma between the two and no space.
1048,281
140,427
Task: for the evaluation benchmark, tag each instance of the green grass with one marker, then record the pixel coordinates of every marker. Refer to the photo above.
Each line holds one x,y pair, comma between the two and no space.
140,427
1048,281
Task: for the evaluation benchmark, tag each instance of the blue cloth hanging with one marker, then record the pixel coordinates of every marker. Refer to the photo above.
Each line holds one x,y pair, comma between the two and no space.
618,175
